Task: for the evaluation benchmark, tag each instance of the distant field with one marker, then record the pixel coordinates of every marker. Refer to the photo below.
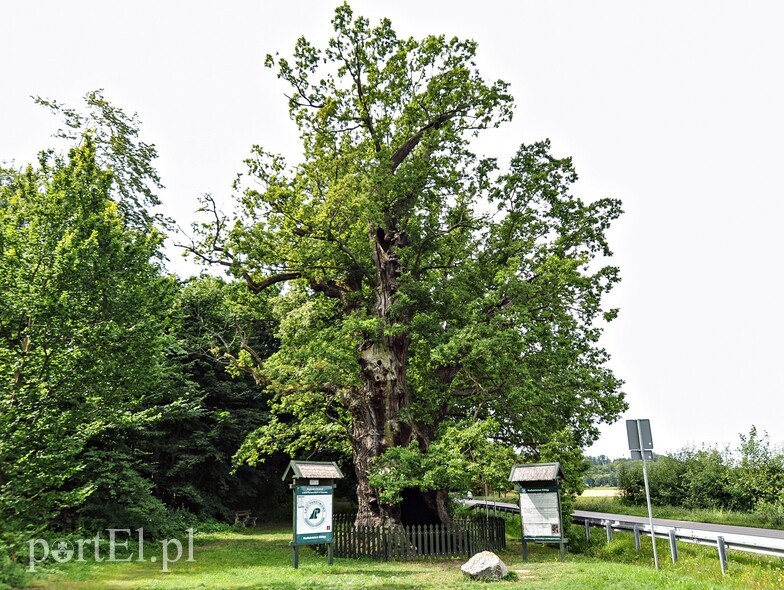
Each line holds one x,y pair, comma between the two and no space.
600,493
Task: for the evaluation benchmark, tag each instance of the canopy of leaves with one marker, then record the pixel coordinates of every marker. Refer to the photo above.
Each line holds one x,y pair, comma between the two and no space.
489,282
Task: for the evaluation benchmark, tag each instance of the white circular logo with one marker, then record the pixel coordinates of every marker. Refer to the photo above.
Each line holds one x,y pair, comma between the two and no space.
63,551
314,512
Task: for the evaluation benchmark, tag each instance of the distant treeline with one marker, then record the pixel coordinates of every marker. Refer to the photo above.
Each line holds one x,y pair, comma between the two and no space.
748,479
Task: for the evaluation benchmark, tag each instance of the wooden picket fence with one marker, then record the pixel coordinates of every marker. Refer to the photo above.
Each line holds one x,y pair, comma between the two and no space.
462,538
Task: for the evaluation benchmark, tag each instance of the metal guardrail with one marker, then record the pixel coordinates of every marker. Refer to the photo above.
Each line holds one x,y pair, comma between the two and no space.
490,506
719,539
722,540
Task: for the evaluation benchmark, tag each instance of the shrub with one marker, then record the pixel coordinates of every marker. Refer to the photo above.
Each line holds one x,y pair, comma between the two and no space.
666,478
12,574
631,483
706,479
758,475
750,480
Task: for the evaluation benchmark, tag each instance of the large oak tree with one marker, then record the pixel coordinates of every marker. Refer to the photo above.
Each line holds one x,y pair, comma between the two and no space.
421,290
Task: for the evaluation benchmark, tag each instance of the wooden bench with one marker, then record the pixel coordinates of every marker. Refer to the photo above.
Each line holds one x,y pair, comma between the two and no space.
245,518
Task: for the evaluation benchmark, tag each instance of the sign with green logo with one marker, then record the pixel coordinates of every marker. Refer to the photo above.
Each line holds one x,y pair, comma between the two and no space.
312,483
313,522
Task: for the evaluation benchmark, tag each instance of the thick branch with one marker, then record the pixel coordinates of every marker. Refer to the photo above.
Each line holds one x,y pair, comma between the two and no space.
269,281
413,141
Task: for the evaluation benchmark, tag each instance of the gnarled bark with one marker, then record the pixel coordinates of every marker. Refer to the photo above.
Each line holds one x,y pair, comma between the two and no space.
377,425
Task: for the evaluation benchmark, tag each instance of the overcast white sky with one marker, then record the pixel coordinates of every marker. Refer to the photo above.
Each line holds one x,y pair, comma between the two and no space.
675,107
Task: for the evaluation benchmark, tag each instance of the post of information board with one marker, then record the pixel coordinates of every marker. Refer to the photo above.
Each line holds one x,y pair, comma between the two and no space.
313,486
541,517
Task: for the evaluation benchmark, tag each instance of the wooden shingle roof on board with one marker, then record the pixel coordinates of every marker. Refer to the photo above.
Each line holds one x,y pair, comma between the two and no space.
536,473
314,470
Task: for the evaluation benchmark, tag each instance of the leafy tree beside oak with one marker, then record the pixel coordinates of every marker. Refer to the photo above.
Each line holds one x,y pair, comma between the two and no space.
426,291
112,410
82,352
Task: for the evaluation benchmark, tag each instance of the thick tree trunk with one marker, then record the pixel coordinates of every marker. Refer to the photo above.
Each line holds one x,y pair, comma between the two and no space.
376,422
377,425
438,502
372,432
376,413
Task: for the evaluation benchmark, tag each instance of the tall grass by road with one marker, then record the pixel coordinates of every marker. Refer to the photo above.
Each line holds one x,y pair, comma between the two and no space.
716,516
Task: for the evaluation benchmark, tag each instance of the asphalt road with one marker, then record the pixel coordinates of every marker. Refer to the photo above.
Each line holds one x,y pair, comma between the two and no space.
685,524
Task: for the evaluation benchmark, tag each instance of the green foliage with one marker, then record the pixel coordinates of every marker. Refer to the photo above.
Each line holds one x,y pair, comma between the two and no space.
463,457
114,411
80,339
758,477
213,324
307,376
408,310
561,448
602,472
706,479
631,483
750,479
668,475
122,497
12,573
119,151
665,478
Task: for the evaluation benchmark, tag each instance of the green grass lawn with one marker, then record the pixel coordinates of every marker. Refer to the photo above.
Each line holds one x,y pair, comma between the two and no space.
262,559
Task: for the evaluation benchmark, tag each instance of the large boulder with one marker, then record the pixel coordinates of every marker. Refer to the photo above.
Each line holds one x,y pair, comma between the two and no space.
485,566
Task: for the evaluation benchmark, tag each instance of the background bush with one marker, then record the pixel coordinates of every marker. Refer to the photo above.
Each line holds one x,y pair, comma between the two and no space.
748,479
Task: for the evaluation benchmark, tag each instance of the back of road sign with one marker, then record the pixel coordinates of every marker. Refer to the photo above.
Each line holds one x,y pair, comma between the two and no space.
634,438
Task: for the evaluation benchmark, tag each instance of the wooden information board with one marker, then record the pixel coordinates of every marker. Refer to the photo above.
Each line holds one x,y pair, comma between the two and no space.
541,514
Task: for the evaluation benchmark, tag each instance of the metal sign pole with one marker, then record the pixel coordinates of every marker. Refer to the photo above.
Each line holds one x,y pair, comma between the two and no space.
294,523
487,508
648,496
